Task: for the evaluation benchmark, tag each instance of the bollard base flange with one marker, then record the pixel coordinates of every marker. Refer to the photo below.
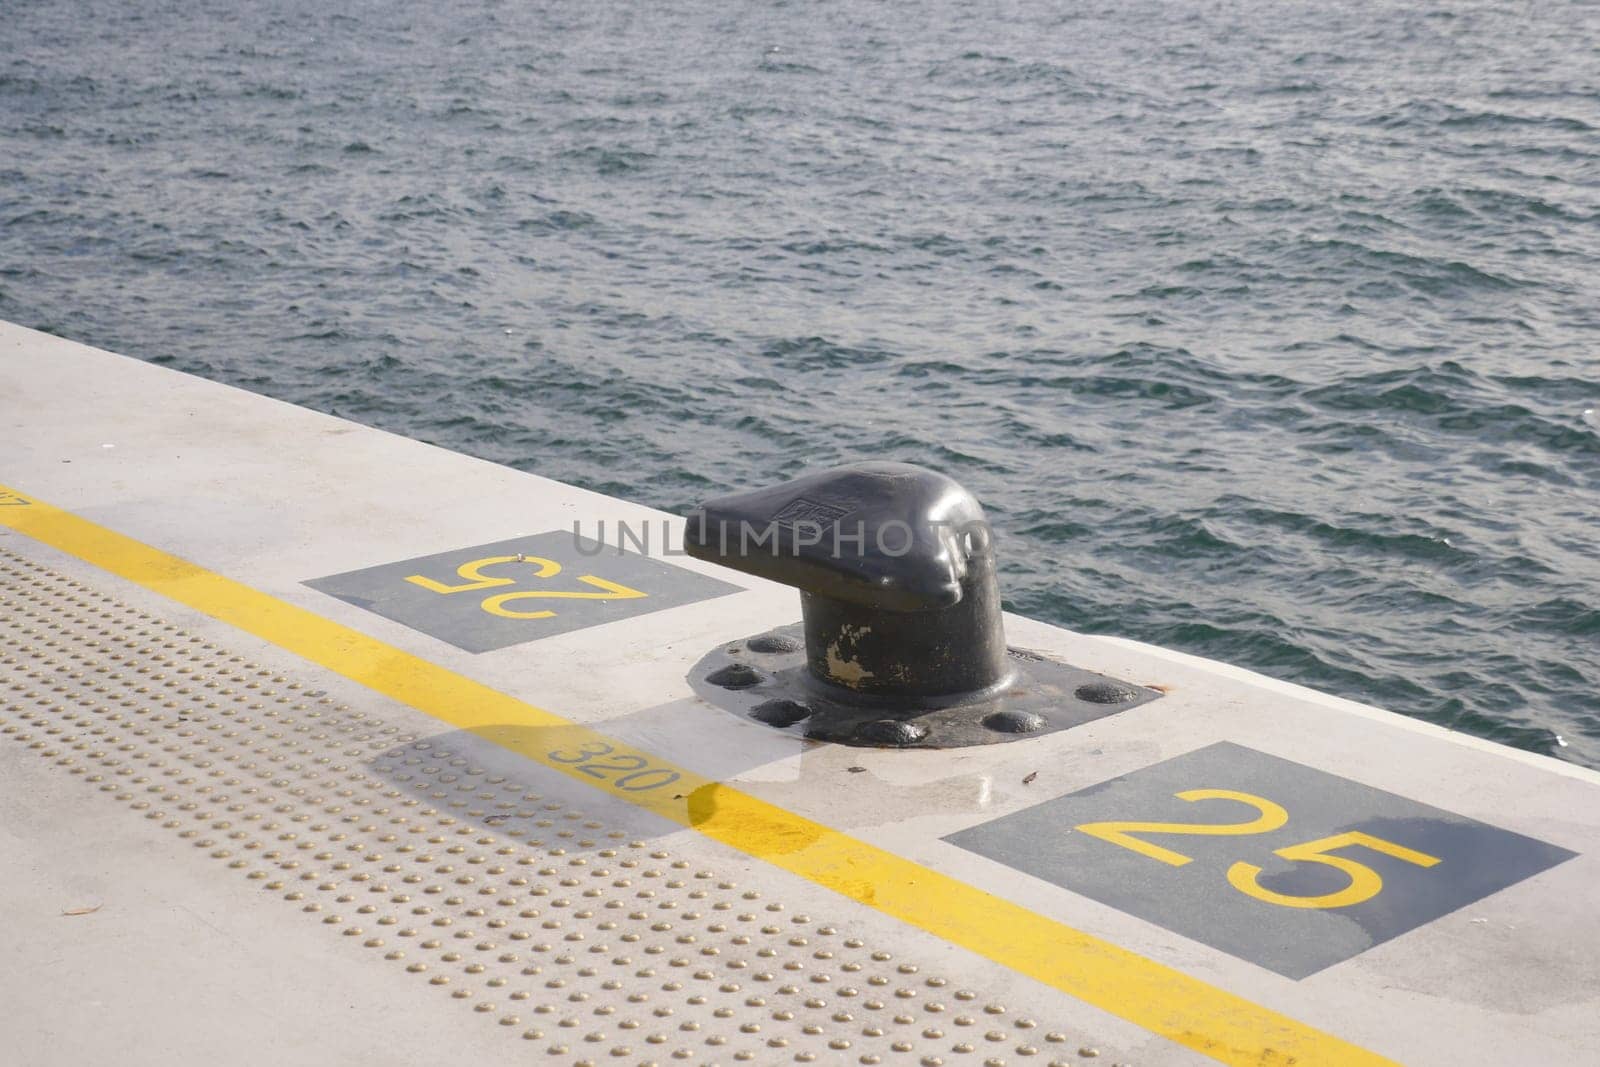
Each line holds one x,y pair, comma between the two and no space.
764,679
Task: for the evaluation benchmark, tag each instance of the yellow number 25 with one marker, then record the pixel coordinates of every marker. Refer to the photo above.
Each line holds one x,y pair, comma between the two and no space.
500,604
1365,883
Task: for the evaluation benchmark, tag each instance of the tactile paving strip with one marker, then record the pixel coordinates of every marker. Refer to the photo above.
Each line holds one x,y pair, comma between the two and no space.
593,947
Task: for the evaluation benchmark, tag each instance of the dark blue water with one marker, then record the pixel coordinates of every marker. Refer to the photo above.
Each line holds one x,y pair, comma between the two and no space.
1265,331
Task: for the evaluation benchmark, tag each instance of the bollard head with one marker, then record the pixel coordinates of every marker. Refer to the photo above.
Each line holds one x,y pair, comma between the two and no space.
887,535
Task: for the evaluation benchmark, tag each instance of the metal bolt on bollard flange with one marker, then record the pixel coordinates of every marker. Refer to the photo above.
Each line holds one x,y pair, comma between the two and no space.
901,642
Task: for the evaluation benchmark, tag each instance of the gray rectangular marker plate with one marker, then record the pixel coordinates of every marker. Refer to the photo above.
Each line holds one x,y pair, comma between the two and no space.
1427,862
484,598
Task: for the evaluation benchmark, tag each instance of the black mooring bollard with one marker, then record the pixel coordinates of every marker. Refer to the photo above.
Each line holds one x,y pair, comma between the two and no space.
896,571
903,639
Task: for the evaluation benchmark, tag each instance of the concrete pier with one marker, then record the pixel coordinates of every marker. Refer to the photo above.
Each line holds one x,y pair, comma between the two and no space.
321,745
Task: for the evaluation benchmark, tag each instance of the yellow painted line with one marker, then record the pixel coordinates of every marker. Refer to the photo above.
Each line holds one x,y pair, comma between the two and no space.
1190,1012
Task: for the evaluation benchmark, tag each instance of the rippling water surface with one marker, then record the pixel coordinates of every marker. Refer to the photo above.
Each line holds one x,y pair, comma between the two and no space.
1265,331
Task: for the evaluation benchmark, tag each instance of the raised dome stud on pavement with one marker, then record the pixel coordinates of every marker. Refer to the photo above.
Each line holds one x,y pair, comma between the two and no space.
323,746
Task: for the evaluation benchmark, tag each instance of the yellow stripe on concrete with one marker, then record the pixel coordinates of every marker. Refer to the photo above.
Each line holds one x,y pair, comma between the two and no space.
1164,1001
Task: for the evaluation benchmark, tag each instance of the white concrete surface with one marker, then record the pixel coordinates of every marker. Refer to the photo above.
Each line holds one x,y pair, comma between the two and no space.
187,962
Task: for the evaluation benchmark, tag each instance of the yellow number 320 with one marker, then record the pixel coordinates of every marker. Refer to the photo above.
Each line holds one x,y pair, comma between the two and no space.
1365,883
